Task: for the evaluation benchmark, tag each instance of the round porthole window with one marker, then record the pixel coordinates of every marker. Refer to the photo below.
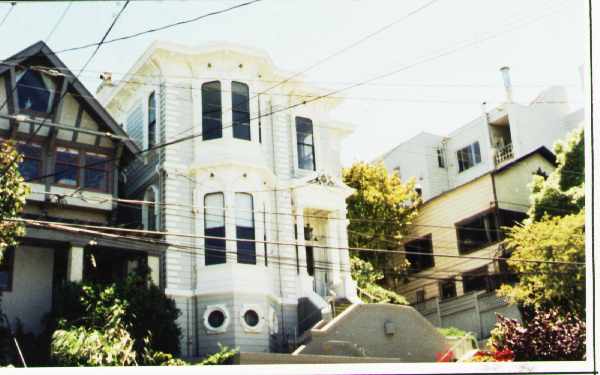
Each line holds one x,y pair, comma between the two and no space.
251,318
216,318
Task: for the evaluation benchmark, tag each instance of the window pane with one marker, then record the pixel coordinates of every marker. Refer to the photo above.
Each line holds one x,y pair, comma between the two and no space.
214,226
32,92
240,99
477,153
95,179
419,262
245,228
477,233
30,169
305,157
66,174
6,269
304,130
66,155
211,110
214,211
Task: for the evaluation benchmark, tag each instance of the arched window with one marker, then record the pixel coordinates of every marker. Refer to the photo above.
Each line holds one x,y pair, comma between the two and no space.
244,228
211,110
150,209
151,120
35,92
214,226
240,100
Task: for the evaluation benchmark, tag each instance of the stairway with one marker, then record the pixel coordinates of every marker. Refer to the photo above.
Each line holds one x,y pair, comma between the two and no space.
340,305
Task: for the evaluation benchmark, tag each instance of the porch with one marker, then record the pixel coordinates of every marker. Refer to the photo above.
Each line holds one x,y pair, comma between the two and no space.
49,256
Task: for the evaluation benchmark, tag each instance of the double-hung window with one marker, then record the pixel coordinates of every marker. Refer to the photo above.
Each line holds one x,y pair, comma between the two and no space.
66,171
240,100
31,166
306,143
151,120
150,209
96,172
211,111
244,227
468,156
214,226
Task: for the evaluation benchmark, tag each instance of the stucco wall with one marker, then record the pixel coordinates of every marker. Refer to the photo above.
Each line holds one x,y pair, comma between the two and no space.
31,294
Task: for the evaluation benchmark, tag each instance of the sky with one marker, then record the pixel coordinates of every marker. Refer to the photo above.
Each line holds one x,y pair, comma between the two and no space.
447,55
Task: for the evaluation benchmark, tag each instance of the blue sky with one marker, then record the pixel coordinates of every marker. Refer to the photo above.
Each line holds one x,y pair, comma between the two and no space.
437,96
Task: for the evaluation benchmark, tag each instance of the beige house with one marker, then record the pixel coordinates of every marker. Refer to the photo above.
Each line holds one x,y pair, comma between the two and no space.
467,221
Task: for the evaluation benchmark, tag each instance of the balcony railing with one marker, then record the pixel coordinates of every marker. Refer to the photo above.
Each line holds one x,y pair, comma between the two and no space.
504,153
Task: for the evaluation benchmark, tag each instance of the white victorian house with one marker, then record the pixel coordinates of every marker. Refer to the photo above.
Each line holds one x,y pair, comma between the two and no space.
256,165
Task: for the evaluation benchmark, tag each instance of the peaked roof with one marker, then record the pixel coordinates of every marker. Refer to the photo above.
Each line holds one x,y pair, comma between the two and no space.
105,119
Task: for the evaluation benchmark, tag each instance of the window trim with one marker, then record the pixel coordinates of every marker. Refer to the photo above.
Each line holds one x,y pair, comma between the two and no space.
8,262
81,168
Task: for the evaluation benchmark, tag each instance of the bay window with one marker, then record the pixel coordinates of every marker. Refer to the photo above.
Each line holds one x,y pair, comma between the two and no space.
211,111
214,226
244,228
240,99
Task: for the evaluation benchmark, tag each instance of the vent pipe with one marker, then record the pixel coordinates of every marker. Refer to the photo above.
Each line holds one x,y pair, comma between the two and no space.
505,70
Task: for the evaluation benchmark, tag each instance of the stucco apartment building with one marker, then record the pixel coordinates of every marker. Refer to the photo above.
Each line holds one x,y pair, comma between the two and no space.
73,153
473,182
257,165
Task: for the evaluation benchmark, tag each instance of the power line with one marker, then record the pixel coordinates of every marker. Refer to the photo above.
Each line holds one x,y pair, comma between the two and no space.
60,19
282,243
12,7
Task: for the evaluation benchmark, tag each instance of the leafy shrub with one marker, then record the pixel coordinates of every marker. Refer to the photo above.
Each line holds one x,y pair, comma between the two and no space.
367,277
454,332
549,336
148,310
223,356
505,355
102,341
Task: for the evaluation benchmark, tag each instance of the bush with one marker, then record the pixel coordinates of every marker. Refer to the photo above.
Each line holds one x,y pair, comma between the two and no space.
223,356
367,277
549,336
147,311
454,332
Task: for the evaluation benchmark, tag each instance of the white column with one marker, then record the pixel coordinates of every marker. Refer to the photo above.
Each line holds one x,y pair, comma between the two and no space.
333,251
299,213
75,263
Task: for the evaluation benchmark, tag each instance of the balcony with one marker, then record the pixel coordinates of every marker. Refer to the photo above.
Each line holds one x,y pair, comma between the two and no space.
503,154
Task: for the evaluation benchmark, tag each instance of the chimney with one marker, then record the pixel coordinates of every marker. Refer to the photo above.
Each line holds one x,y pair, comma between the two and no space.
505,70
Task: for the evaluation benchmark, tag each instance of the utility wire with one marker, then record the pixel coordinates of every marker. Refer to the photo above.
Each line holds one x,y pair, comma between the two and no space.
60,19
283,243
12,7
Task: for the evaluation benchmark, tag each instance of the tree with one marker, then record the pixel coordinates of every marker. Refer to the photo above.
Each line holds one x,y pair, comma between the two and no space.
366,278
563,192
554,231
13,191
545,285
379,212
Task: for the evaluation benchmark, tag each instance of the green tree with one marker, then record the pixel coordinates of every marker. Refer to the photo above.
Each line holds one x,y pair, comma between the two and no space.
554,231
563,192
379,211
545,285
13,191
366,278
